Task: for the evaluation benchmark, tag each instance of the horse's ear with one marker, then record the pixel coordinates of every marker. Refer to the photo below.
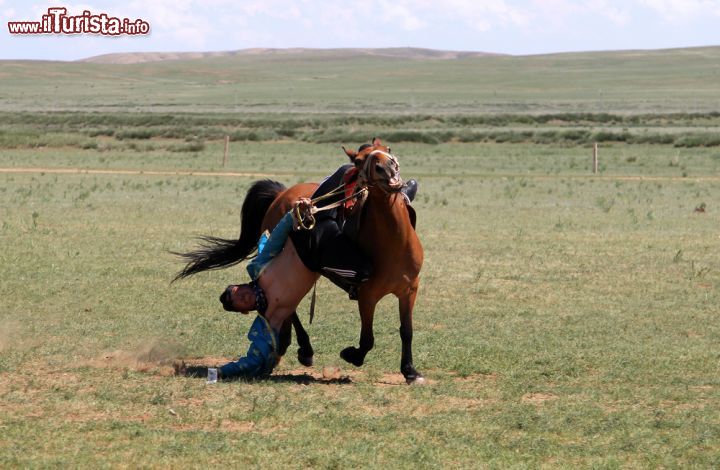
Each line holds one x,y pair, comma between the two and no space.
376,142
350,153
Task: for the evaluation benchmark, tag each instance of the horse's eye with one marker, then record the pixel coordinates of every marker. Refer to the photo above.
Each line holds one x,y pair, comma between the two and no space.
379,169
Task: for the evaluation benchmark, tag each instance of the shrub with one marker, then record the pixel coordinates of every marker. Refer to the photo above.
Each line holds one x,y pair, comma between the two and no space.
135,134
698,140
411,136
196,146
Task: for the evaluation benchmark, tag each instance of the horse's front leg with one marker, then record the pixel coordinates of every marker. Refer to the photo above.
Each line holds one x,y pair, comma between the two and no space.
407,302
353,355
305,350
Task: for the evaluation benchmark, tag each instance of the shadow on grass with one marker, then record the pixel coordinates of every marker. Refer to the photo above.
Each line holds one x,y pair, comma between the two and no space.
200,372
307,379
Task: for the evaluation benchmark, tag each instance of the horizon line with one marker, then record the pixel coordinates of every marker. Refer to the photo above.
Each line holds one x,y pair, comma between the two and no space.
260,50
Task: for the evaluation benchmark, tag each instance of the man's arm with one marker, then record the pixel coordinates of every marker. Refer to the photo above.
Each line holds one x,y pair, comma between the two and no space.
270,245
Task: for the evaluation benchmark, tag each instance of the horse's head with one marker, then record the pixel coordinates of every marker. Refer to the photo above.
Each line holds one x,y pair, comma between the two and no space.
377,166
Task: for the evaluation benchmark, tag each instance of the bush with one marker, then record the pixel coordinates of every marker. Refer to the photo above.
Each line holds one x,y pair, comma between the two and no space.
653,139
94,132
411,136
197,146
698,140
88,144
608,136
135,134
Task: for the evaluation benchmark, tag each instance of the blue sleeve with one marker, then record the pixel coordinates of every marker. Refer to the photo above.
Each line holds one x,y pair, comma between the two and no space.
269,247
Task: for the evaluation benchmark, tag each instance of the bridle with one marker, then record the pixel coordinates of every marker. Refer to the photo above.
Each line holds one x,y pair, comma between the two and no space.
364,173
307,221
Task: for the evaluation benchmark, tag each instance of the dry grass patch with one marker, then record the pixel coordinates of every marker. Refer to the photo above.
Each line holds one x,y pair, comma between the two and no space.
538,398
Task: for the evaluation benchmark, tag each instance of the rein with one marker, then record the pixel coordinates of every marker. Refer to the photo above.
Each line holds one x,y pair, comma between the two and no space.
308,222
310,219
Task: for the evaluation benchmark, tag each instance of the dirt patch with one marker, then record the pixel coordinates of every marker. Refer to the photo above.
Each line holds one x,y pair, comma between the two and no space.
329,373
306,376
538,398
11,336
153,356
227,425
6,334
474,378
391,380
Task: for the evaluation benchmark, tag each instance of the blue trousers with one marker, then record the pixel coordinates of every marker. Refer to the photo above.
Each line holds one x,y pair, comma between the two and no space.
261,357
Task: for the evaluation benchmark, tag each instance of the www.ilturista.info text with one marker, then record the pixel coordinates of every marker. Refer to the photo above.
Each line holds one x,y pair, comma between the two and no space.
57,21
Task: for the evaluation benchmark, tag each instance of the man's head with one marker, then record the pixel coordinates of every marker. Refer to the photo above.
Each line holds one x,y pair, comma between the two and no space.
239,298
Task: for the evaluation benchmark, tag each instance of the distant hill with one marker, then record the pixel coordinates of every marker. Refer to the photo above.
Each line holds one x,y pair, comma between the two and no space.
377,81
390,52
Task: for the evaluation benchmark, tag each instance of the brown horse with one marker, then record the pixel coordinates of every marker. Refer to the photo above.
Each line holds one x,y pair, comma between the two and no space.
386,234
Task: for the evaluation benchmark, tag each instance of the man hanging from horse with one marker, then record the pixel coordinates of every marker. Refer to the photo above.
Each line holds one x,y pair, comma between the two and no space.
308,241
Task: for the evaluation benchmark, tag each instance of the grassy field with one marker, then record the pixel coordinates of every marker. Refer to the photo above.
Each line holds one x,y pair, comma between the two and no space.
682,80
564,319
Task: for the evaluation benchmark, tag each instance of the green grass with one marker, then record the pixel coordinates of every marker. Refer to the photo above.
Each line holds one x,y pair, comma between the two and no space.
563,320
679,80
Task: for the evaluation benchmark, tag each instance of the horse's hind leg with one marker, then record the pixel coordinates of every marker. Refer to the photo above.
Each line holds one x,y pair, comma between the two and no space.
305,351
356,356
284,337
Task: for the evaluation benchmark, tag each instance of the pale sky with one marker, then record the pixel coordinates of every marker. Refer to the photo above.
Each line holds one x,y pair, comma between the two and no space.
500,26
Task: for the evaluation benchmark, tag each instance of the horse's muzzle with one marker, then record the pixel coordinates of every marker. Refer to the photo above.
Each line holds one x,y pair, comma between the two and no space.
395,183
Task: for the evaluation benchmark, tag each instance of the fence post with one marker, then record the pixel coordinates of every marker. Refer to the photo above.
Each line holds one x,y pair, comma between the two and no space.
225,154
595,158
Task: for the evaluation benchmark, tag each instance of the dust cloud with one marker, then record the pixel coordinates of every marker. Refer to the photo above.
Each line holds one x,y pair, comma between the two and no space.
152,355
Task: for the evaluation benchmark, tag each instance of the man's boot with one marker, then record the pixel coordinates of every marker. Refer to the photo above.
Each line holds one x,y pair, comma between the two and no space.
409,190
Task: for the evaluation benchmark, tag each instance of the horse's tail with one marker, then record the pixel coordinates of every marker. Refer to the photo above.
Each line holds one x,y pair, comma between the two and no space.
217,253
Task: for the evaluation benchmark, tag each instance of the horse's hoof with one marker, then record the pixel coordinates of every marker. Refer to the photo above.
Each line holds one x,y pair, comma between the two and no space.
352,355
412,376
307,361
417,380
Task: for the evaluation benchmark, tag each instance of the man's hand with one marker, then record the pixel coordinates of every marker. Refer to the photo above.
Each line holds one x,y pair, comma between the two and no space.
304,203
302,214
